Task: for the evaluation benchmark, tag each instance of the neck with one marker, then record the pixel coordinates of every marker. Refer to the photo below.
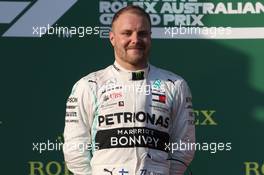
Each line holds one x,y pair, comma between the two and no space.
132,67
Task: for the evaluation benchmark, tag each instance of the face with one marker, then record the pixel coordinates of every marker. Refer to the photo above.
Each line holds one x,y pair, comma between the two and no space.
130,37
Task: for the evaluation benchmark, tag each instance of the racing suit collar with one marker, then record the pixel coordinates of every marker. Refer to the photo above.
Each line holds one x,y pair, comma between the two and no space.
132,75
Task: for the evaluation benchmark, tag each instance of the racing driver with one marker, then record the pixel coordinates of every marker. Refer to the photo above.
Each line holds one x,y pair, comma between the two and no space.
128,118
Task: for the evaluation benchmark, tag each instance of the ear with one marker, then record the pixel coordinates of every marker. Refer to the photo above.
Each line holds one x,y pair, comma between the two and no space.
112,38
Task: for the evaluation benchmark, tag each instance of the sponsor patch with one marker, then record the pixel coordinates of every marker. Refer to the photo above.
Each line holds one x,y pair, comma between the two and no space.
161,98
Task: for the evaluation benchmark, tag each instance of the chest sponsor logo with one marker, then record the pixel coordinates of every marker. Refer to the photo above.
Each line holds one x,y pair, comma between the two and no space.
72,100
129,117
160,108
109,105
121,103
132,137
161,98
112,96
158,86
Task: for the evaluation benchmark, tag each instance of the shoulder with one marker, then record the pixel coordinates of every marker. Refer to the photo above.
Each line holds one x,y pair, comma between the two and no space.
95,77
166,75
173,82
92,80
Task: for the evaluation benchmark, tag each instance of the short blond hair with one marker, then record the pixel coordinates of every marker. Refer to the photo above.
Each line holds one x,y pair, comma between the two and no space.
133,9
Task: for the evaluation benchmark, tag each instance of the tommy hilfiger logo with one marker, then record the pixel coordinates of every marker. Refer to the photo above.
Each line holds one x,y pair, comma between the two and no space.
161,98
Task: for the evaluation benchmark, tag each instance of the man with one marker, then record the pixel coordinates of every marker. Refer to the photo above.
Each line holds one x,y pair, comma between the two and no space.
124,119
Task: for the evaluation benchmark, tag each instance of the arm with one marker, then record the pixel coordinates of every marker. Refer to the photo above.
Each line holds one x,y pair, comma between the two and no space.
183,129
77,132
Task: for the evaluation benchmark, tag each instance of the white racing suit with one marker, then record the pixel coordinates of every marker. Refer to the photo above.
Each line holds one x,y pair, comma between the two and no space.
120,122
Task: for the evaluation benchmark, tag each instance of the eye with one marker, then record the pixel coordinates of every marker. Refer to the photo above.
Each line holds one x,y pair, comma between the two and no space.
126,33
143,34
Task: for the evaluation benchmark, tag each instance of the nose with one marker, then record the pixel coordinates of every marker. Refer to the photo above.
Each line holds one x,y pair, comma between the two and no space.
135,38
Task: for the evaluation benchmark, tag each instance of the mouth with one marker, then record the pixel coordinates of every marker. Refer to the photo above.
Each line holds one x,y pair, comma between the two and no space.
135,48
